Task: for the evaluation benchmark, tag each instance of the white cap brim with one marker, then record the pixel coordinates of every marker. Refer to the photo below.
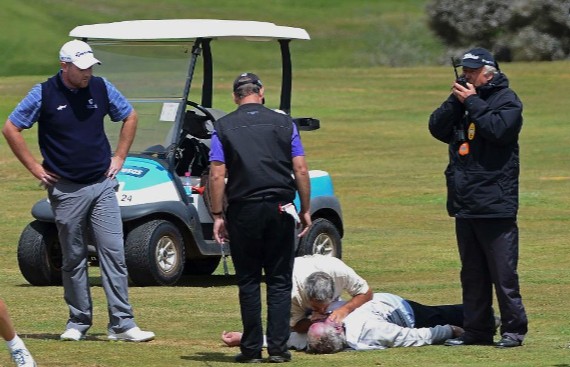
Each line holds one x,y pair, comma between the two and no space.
86,61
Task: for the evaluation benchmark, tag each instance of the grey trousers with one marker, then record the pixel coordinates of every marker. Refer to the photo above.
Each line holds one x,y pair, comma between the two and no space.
76,208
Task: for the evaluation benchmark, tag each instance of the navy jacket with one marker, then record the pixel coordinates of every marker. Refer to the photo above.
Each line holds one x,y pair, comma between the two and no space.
482,181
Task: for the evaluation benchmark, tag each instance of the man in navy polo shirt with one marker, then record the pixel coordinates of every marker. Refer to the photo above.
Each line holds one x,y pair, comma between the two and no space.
78,171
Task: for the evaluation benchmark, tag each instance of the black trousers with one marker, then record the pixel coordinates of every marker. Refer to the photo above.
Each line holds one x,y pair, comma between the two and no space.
262,239
489,251
430,316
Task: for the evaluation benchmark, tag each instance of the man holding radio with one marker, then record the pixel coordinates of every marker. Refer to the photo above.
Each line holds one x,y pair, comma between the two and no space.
481,121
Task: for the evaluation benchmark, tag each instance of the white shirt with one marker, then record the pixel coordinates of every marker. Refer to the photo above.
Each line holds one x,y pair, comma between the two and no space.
382,323
345,279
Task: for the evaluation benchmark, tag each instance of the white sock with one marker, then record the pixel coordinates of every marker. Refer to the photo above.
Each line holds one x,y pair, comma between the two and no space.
15,344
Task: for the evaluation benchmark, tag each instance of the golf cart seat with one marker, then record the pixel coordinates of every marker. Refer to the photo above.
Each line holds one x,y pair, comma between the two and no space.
192,153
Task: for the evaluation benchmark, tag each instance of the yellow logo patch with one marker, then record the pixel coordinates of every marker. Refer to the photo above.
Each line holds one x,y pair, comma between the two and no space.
471,131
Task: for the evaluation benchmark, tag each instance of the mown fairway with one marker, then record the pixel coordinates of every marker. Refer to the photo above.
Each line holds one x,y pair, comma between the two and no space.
388,174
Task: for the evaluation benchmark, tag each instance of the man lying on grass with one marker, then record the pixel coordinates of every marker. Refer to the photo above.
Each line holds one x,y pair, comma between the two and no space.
386,321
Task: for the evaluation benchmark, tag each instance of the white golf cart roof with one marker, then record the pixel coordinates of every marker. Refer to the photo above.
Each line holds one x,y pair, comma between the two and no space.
180,29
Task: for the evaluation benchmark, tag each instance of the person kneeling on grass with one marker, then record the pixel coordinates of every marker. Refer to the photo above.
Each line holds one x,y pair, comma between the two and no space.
386,321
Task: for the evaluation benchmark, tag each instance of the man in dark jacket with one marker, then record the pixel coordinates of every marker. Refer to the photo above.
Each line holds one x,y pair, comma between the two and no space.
481,121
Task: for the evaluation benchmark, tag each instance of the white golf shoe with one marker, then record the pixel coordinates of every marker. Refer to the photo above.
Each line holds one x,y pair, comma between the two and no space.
132,335
72,335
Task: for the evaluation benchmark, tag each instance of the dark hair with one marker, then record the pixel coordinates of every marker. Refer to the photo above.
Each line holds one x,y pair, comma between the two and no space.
246,90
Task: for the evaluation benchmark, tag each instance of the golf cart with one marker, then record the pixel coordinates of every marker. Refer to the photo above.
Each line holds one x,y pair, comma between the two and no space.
167,226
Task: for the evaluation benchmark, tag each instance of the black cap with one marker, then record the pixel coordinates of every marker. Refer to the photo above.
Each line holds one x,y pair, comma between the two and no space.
477,57
247,78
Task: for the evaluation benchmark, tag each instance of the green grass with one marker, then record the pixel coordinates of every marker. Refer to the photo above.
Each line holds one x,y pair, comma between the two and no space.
357,32
387,170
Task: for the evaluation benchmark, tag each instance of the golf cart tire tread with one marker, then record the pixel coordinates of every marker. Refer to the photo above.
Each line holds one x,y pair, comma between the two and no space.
320,226
33,254
139,253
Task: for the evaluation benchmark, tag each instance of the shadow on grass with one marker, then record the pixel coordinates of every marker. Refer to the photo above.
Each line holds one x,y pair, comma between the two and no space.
192,281
97,337
209,357
204,281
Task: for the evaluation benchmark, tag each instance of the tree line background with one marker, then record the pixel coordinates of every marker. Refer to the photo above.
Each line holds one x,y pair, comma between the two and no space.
359,33
514,30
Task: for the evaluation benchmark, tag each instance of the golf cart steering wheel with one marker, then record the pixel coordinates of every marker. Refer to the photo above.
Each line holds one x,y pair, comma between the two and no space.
202,109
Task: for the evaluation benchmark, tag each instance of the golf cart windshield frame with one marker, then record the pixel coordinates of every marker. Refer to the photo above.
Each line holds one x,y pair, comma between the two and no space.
203,31
202,45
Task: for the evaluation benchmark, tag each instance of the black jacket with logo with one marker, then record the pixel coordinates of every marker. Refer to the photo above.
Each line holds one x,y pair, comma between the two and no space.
482,181
257,149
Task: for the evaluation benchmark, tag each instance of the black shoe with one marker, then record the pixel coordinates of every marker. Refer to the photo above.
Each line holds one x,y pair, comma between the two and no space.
280,358
457,342
508,342
241,358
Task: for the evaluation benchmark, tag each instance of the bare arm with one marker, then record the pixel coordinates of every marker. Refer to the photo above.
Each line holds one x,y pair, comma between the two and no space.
301,172
217,187
7,330
126,138
340,313
18,145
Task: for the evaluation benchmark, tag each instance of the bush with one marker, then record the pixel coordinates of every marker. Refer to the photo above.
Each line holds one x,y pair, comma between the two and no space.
522,30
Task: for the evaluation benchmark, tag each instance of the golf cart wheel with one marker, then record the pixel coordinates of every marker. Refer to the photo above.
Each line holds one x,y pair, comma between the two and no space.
204,266
39,254
154,252
323,238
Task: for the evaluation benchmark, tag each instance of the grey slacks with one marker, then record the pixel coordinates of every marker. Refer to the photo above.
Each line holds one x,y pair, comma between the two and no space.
78,207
